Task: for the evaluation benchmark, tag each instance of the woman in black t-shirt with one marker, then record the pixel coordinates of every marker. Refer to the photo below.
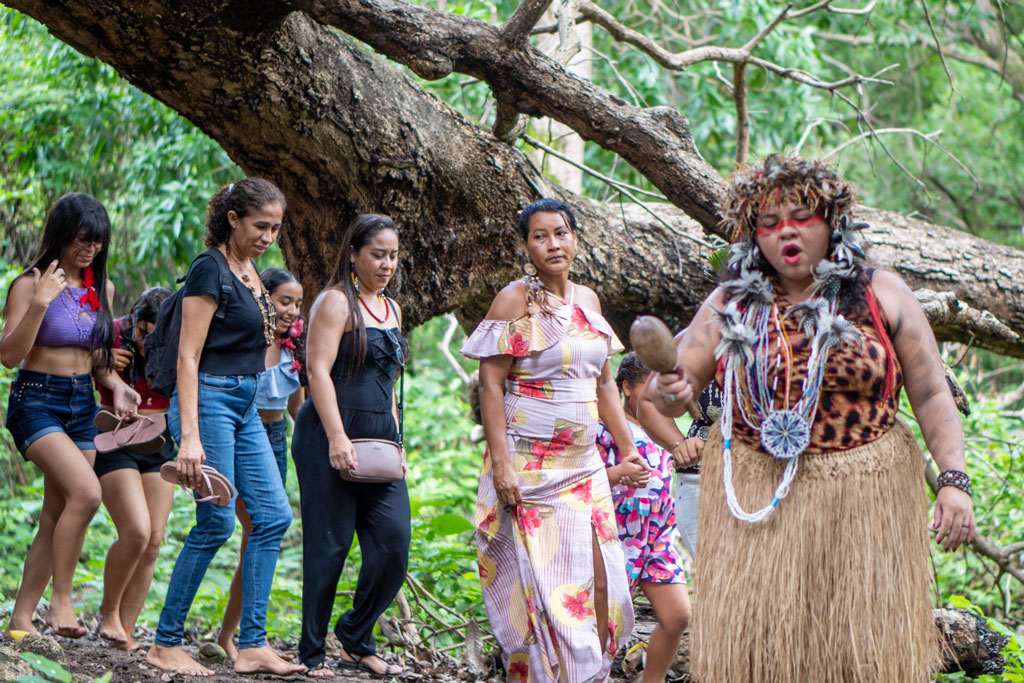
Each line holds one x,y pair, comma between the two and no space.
219,363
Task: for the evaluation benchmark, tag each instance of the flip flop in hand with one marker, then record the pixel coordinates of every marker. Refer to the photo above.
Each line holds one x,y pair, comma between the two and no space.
143,435
215,487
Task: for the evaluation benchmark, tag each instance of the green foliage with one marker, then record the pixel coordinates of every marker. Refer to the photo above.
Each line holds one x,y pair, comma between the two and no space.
52,672
70,123
1013,653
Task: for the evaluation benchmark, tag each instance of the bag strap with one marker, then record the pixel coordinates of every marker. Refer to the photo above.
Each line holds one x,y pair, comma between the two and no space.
401,386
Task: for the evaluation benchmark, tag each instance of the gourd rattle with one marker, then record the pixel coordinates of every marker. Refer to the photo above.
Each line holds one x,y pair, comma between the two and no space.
654,346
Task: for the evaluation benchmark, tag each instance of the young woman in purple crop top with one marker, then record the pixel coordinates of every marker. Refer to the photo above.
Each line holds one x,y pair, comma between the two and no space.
59,329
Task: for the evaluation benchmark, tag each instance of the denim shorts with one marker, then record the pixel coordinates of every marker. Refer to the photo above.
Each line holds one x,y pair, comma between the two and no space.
42,403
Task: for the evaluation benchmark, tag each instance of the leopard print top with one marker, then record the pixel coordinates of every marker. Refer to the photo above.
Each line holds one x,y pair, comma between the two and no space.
852,409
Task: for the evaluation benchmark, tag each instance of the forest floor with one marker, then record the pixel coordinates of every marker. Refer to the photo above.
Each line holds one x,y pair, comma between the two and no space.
90,657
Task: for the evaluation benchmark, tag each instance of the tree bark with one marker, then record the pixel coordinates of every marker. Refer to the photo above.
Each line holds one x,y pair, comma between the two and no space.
342,132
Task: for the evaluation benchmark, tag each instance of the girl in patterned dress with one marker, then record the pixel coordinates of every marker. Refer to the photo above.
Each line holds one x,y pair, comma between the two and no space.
550,563
646,516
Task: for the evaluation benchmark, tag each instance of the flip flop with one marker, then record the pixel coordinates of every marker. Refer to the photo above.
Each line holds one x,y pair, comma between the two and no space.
377,674
105,421
143,435
215,488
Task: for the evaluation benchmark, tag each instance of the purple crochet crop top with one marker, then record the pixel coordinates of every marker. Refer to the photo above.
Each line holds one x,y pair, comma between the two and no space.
67,322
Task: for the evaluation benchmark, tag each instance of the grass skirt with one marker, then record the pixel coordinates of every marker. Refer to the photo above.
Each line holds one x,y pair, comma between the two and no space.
833,586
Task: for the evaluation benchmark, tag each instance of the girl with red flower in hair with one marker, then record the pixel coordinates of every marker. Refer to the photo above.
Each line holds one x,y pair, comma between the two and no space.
281,389
59,329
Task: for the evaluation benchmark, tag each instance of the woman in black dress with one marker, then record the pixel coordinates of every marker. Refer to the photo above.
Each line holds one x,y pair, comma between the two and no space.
355,351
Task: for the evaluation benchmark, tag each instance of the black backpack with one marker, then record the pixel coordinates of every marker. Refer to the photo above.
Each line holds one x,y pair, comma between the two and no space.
162,343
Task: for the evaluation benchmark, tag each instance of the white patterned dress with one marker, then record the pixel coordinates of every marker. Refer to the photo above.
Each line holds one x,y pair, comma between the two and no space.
536,560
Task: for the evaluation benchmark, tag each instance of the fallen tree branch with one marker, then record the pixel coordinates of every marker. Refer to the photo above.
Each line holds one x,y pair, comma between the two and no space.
954,320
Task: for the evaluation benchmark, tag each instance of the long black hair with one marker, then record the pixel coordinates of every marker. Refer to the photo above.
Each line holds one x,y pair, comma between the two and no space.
360,231
272,278
144,310
79,215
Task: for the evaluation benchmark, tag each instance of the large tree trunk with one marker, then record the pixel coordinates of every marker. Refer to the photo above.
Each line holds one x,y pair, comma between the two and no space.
341,131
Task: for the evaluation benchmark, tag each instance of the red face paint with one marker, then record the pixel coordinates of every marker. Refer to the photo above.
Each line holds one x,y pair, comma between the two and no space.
763,230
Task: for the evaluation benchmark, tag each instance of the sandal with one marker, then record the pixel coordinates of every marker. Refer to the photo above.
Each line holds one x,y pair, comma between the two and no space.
216,488
322,668
143,435
387,673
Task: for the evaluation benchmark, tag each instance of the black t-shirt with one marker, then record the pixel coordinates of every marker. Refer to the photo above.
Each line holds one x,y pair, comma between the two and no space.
235,344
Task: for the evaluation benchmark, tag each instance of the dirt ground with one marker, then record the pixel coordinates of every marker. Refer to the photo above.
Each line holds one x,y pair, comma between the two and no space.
90,657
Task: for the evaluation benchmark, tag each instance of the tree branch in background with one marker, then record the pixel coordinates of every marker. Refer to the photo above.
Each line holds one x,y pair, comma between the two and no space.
938,46
568,38
954,320
517,29
739,95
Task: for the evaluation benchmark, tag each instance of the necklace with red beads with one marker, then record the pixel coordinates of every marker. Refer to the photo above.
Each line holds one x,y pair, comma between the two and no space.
380,321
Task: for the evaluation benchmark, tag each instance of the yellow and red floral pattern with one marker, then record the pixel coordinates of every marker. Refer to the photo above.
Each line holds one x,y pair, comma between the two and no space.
536,559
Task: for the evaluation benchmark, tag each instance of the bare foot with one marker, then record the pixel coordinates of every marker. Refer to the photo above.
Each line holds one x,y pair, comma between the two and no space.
177,660
110,628
25,627
63,621
227,641
127,646
263,660
74,630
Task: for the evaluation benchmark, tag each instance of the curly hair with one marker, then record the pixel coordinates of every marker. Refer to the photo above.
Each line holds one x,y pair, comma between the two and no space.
243,197
632,370
780,179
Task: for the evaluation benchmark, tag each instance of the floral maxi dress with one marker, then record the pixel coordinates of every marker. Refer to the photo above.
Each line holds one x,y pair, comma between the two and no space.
536,561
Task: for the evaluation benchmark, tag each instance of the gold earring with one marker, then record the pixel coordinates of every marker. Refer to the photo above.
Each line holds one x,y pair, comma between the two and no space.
530,269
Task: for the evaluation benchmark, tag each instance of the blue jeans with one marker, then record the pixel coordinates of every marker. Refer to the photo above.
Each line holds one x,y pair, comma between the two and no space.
236,445
277,434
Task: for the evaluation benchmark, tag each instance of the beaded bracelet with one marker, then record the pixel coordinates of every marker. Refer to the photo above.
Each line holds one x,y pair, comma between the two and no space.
956,479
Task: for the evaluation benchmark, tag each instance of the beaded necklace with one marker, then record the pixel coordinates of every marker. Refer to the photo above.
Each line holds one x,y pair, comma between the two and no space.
380,321
267,309
749,322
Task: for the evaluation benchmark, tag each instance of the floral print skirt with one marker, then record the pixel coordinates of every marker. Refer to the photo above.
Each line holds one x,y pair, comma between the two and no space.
536,559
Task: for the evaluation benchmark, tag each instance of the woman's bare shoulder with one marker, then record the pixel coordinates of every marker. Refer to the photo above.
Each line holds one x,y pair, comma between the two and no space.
510,302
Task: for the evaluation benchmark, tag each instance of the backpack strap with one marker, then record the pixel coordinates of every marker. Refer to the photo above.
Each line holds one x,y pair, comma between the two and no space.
226,284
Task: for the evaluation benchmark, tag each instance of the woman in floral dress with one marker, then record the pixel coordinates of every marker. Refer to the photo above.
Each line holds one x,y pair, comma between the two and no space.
646,517
551,565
